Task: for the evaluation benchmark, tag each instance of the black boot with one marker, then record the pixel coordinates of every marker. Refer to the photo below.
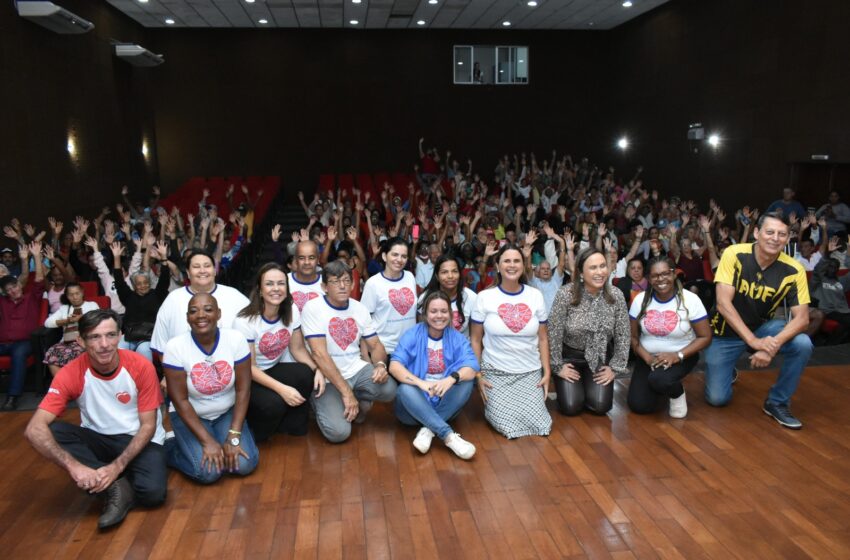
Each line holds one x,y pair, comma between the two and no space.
11,403
120,499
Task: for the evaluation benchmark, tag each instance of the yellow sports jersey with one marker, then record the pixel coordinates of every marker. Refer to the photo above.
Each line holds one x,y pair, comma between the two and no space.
758,293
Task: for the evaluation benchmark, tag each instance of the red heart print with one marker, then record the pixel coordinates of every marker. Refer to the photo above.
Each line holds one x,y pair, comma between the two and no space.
123,397
273,344
456,323
209,379
436,362
343,331
515,317
301,298
660,323
402,300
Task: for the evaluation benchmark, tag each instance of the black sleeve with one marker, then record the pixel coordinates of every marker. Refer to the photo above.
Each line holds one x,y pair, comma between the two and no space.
163,283
124,291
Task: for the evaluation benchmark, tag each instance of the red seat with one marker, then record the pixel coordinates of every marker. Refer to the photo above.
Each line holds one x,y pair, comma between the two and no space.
90,291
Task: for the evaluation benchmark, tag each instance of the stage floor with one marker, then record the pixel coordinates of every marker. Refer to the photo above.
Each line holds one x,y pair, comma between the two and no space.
723,483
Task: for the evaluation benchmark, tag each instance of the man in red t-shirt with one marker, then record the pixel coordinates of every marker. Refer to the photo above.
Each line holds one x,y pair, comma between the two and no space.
117,451
19,310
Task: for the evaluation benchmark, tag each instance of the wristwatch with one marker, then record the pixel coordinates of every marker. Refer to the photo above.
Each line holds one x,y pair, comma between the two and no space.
456,376
235,441
681,356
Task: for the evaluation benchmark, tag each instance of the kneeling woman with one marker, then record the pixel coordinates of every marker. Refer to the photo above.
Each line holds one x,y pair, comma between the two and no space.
669,329
587,319
283,373
434,366
208,372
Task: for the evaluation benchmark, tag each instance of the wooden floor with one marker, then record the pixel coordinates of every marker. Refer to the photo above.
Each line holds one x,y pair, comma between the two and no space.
720,484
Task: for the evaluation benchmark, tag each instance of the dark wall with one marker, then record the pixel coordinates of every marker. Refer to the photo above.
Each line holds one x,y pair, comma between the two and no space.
54,85
771,77
298,103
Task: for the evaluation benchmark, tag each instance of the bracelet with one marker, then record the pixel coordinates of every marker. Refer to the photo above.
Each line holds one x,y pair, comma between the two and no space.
234,432
379,364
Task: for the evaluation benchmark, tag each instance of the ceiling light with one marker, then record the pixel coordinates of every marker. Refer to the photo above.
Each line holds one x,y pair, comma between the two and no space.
590,23
532,3
420,22
143,1
521,61
460,63
432,2
506,24
263,21
71,146
714,140
356,1
627,4
623,143
250,1
145,149
169,21
354,22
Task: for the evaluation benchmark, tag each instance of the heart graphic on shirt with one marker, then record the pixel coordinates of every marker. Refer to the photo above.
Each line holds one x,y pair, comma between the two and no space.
516,317
402,300
660,323
273,344
343,331
301,298
123,397
436,362
456,322
209,379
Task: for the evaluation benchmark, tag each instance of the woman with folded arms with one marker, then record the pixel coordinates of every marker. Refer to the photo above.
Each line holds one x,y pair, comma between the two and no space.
434,366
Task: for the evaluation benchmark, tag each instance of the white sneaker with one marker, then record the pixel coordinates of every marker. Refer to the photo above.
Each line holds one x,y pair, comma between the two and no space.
364,408
422,441
460,446
679,406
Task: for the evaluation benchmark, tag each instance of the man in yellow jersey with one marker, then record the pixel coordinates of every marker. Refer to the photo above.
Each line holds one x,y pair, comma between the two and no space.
753,281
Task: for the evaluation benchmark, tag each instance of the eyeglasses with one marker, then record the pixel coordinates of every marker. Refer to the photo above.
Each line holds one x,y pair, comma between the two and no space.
98,337
661,275
344,281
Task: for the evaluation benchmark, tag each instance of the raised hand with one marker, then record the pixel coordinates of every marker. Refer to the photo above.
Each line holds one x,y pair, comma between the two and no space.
322,237
351,234
331,233
491,249
639,232
49,253
531,237
91,242
162,248
276,233
834,243
23,252
704,223
10,232
117,249
29,230
602,230
125,190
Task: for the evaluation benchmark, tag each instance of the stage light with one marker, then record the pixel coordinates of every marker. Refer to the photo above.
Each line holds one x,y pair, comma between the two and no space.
356,1
71,146
627,4
145,148
420,22
354,22
714,141
169,21
623,143
263,21
432,2
506,24
532,3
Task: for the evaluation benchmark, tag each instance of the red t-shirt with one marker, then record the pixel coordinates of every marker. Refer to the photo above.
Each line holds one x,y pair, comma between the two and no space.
18,320
108,405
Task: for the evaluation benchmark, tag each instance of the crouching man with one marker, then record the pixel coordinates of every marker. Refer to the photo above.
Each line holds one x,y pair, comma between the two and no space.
117,452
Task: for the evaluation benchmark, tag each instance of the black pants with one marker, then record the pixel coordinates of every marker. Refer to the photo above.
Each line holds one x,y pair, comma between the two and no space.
584,393
650,389
147,473
268,412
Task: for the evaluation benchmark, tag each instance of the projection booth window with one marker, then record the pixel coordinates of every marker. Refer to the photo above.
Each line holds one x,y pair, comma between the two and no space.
488,64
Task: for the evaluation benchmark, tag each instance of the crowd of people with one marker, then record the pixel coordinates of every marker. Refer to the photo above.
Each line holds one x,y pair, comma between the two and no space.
552,277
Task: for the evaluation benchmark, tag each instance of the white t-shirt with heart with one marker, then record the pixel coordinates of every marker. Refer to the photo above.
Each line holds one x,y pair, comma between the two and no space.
270,339
511,322
666,325
342,328
211,377
436,361
392,304
302,293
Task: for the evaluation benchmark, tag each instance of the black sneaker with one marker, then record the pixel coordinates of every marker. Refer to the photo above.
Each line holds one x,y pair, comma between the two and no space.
782,414
120,499
10,404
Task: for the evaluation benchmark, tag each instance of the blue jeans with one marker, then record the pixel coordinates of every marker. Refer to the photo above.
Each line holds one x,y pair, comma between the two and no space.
19,351
184,452
721,355
414,409
142,347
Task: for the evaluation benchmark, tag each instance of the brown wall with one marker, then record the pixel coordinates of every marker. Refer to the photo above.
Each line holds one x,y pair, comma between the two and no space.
771,77
298,103
54,83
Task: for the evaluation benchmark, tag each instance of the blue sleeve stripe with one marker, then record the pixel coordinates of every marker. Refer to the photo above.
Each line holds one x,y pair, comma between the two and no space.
172,366
370,335
239,361
471,320
703,318
315,335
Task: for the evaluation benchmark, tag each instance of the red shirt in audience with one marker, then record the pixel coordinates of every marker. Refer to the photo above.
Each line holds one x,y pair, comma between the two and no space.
18,320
